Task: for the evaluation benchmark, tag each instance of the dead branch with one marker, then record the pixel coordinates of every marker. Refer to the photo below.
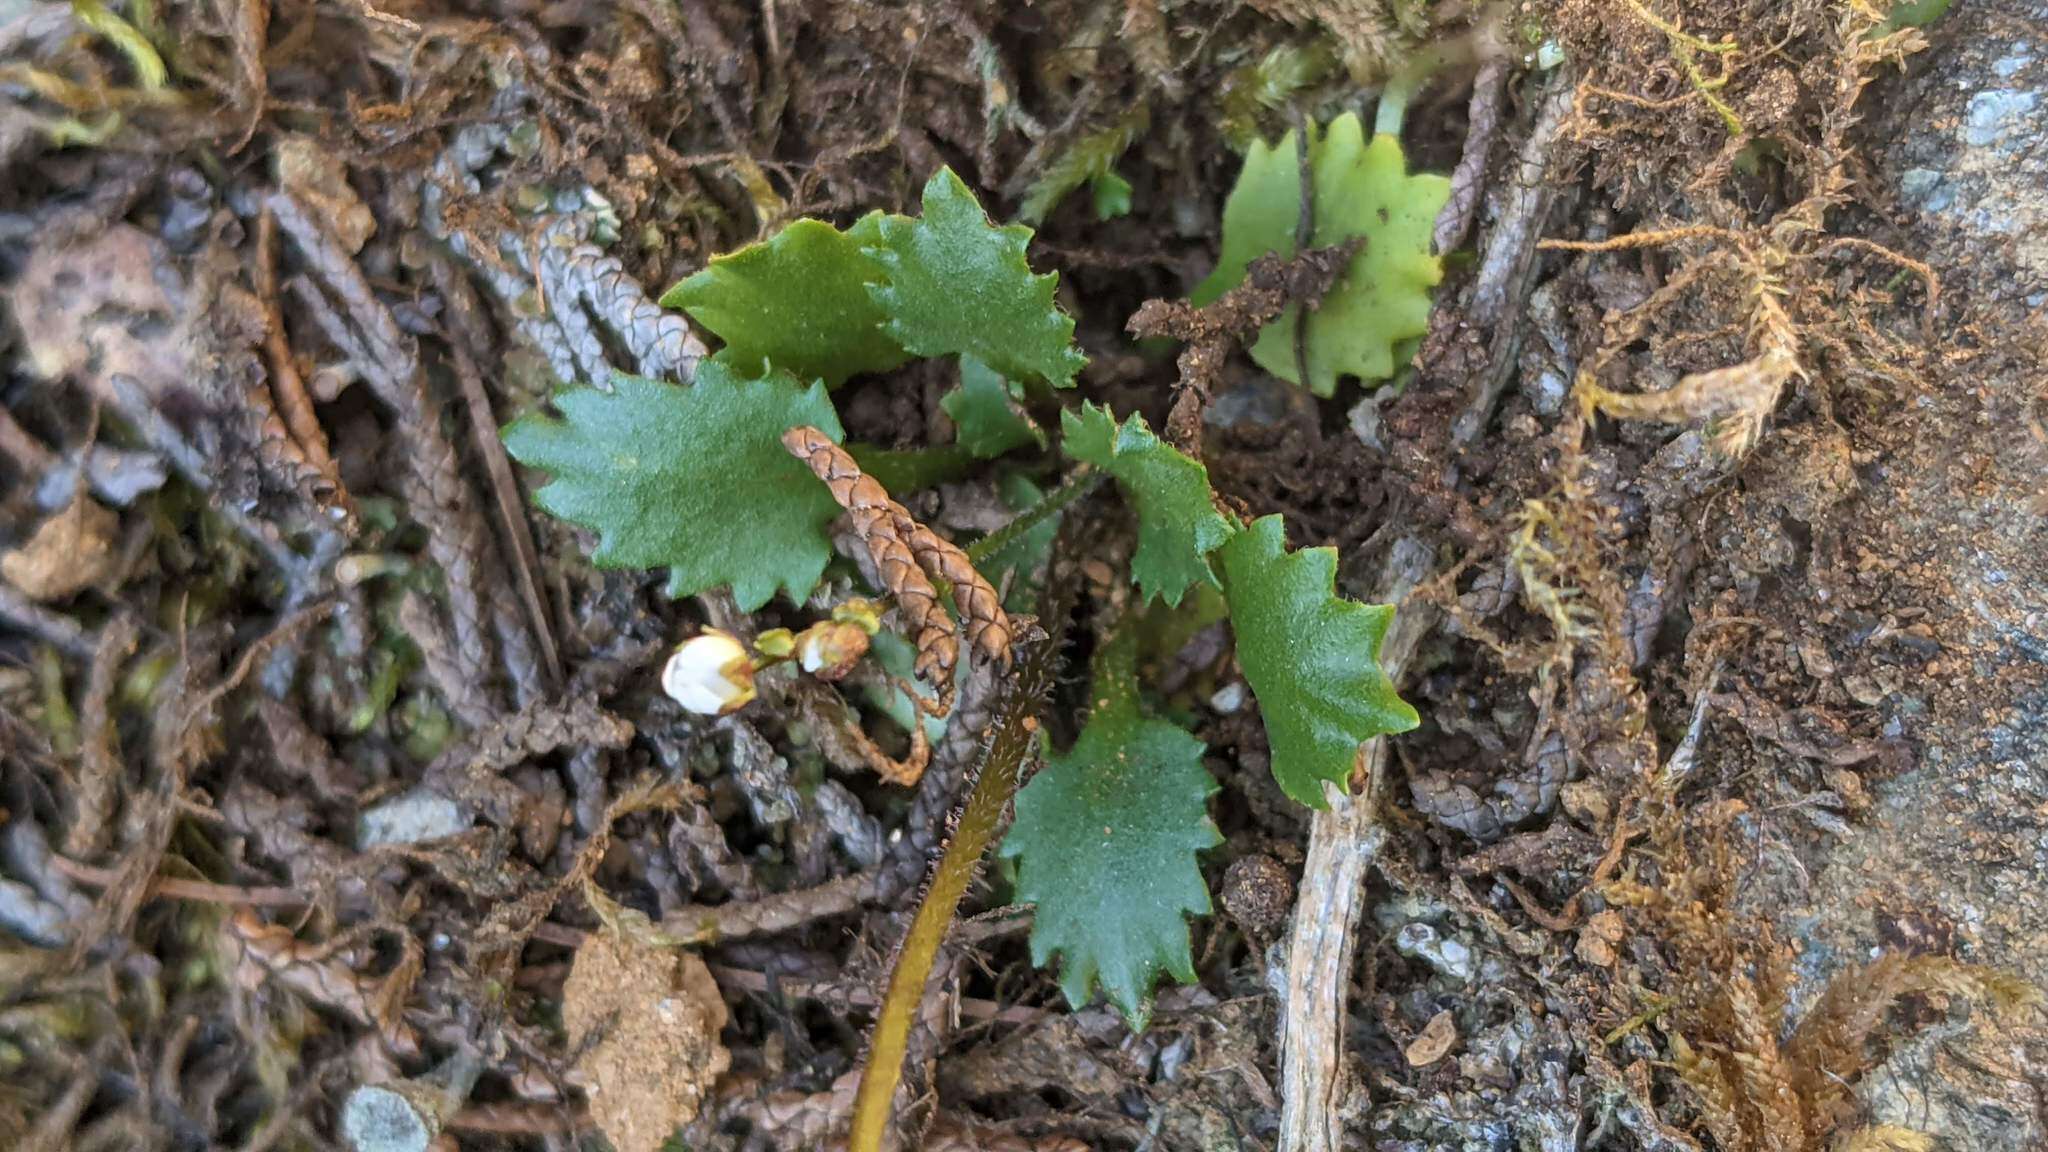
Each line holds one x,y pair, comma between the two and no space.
776,913
1272,283
1468,179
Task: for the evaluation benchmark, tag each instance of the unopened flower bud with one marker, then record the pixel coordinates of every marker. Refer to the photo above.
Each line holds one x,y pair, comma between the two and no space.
829,649
864,613
710,674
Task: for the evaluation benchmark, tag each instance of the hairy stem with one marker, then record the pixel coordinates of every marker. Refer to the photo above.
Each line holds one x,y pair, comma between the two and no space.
1080,484
1010,747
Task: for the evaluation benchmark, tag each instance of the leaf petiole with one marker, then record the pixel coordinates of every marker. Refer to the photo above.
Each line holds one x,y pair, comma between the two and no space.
1079,484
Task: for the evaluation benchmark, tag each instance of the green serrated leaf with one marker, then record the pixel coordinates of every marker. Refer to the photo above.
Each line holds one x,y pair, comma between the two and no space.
988,420
1310,657
664,473
955,283
1105,840
1178,525
1361,189
798,301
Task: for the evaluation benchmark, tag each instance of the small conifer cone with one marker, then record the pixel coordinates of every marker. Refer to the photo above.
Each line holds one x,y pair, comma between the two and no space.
988,626
875,518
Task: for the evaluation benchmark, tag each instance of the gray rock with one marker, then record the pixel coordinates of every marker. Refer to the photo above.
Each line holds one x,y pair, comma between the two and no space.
1945,1082
1976,152
1996,116
1450,957
411,818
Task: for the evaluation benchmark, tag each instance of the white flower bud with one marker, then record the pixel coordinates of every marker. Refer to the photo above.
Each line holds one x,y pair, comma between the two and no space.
710,674
829,650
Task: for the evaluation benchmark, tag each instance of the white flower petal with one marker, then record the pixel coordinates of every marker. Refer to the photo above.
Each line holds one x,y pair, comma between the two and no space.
709,674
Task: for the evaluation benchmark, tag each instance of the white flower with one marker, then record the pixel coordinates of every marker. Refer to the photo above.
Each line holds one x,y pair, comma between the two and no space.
710,674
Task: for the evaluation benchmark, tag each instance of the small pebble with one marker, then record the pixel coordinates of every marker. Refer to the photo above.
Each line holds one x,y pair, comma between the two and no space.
1419,941
410,818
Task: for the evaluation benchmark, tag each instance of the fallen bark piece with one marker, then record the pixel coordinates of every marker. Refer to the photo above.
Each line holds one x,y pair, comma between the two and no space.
645,1019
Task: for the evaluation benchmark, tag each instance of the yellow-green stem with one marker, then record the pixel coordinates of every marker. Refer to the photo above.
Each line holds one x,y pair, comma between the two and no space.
1010,746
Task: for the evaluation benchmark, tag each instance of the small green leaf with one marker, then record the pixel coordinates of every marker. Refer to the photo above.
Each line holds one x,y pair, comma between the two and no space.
798,300
1311,658
666,473
1360,190
955,283
1112,195
1909,14
1105,840
1091,160
987,417
898,657
1178,524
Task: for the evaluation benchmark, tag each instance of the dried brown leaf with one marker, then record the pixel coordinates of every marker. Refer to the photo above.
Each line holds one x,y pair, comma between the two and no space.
1435,1042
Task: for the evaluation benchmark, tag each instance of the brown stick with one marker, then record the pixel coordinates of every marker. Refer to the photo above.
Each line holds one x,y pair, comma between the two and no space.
518,531
1508,254
1345,839
173,888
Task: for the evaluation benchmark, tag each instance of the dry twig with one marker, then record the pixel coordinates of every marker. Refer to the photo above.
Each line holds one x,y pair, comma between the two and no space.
1271,284
1508,257
774,913
293,406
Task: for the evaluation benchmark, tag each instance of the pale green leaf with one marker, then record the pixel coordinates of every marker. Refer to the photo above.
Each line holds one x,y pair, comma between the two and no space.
1363,190
988,421
1105,840
1178,524
953,283
798,301
898,657
1310,657
666,474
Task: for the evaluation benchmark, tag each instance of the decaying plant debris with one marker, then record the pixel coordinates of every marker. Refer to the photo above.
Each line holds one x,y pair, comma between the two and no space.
340,805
